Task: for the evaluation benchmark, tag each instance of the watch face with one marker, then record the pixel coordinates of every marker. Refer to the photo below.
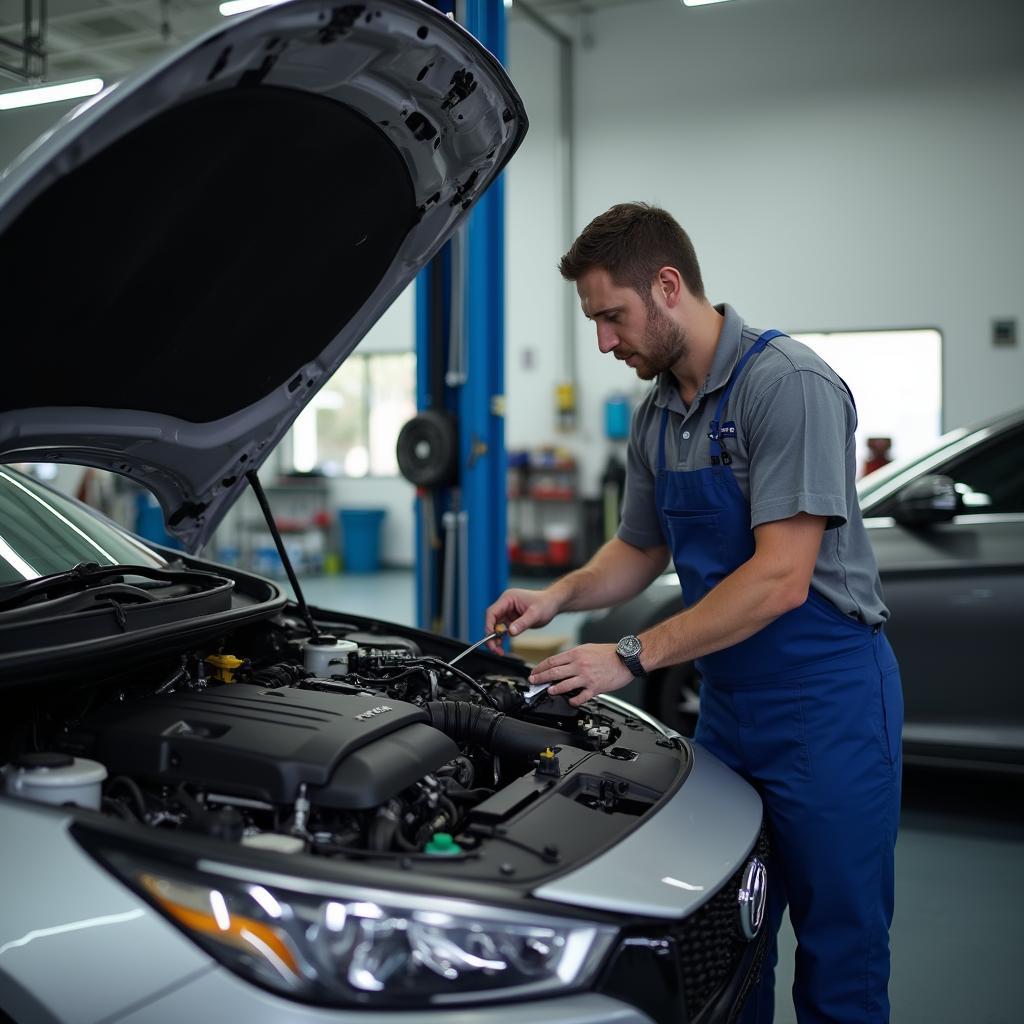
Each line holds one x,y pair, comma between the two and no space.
628,647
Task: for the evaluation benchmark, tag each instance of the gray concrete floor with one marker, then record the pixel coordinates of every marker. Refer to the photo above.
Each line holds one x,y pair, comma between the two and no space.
956,938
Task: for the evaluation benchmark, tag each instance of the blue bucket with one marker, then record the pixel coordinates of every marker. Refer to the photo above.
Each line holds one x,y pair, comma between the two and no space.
616,417
360,538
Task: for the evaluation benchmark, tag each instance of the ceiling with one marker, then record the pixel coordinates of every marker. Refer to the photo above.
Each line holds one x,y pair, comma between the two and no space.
109,38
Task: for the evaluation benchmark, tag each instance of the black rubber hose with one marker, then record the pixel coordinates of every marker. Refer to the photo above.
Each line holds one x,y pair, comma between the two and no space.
118,808
449,809
123,782
384,826
458,794
381,834
493,730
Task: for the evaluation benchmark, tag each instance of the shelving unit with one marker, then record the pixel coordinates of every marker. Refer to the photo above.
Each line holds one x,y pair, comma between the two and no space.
544,517
302,511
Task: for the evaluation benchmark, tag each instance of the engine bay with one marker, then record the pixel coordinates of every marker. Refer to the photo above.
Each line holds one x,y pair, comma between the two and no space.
358,744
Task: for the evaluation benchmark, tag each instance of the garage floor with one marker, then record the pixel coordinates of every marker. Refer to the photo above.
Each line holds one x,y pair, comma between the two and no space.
956,939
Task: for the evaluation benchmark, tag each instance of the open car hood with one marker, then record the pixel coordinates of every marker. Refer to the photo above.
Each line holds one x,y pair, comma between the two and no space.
189,256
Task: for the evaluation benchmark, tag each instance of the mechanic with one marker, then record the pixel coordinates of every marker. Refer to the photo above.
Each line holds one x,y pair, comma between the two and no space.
741,466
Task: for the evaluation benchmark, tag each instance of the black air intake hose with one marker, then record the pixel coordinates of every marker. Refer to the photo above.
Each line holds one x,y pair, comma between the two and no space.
493,730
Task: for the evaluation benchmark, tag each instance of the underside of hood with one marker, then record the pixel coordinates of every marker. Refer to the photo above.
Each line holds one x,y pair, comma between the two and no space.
191,255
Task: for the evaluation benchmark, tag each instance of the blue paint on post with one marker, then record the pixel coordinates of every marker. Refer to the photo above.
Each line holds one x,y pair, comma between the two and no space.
483,459
485,468
423,568
423,337
428,564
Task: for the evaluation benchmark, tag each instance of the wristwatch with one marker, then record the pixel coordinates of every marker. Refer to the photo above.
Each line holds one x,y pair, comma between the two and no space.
628,649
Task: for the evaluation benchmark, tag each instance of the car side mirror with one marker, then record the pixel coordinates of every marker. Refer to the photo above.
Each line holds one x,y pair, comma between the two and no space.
927,500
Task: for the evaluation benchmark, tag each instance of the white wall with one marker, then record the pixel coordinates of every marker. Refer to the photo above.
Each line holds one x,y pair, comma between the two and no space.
839,165
535,240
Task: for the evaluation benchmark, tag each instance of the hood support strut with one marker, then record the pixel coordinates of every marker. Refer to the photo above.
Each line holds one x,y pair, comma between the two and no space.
257,489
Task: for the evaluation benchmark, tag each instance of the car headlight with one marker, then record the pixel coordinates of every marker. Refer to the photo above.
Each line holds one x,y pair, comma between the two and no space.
336,944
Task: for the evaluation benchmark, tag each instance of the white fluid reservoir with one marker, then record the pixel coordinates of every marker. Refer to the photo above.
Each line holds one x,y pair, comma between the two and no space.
327,656
54,778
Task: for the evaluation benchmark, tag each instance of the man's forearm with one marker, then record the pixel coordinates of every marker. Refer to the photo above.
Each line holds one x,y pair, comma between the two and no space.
618,571
775,579
766,586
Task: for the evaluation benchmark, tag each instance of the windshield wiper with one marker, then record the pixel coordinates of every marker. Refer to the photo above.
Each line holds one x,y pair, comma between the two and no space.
92,574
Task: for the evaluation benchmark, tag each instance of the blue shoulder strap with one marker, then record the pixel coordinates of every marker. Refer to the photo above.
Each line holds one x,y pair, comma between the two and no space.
718,453
661,439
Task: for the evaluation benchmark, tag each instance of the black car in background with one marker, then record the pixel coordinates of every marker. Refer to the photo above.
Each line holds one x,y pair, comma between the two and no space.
948,532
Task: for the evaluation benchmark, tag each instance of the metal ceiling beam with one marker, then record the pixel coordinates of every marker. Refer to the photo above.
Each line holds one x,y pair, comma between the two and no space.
112,55
104,55
32,48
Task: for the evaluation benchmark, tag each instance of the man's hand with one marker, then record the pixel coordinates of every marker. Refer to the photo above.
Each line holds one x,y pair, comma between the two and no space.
519,610
591,669
616,573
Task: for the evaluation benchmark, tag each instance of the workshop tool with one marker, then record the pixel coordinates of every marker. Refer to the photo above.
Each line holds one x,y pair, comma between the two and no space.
499,630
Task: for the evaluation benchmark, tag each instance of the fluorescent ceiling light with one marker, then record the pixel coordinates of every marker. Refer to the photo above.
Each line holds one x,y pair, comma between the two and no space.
701,3
50,93
241,6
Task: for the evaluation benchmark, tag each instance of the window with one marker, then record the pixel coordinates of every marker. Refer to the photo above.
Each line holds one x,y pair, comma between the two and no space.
351,426
896,380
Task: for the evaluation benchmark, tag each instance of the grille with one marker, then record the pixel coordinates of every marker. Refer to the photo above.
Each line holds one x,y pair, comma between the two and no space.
696,959
709,943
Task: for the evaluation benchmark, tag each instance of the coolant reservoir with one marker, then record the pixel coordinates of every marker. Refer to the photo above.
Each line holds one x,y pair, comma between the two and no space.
326,656
275,841
53,778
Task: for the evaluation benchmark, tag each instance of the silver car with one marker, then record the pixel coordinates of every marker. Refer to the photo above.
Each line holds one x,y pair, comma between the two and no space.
216,803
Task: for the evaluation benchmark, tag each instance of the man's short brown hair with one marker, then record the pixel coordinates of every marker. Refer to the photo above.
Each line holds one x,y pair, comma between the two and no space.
633,241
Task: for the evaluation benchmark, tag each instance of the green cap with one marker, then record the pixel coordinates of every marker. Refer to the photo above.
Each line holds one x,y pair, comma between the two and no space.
442,845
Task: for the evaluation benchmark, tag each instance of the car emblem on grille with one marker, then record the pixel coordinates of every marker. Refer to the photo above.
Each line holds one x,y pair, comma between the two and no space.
378,710
751,897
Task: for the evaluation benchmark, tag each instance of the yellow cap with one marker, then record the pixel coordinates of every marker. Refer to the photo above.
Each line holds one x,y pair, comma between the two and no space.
224,666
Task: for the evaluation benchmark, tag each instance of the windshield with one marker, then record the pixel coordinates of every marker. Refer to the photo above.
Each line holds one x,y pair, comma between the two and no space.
42,532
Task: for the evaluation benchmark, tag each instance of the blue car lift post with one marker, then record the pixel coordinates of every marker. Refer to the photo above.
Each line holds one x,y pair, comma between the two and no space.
461,552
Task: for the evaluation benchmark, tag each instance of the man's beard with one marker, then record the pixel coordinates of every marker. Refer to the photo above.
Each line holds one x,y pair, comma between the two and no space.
665,344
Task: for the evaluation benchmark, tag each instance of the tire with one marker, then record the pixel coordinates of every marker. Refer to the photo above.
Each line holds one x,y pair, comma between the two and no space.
673,697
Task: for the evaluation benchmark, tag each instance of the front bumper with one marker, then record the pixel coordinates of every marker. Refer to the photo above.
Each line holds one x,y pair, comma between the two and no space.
220,995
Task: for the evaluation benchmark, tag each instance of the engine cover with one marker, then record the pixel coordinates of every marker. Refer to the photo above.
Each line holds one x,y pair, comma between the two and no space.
352,752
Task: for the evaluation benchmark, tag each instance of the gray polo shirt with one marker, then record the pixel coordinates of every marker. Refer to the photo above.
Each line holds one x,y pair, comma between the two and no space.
794,452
